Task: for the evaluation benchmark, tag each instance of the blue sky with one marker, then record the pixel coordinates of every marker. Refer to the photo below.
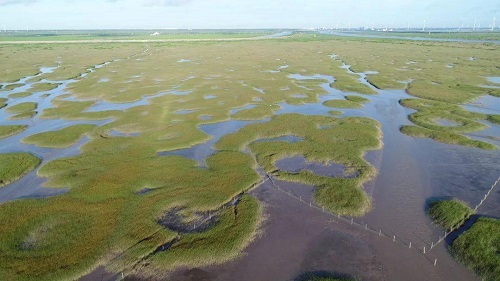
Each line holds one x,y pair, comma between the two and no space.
97,14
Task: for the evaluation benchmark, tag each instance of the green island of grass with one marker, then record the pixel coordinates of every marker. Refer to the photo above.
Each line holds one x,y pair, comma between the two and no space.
342,104
357,99
3,102
10,130
60,138
43,87
14,165
20,95
449,214
495,119
446,137
478,248
11,87
355,136
22,107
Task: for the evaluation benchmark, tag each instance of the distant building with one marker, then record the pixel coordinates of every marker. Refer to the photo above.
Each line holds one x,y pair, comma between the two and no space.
154,34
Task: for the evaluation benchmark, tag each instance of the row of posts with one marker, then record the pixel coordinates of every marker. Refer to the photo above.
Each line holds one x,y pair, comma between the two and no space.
424,251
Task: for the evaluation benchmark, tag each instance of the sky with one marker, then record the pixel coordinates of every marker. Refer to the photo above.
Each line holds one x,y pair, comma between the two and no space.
156,14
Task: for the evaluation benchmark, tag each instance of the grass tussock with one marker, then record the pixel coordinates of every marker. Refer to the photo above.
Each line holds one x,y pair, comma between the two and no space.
449,214
478,248
14,165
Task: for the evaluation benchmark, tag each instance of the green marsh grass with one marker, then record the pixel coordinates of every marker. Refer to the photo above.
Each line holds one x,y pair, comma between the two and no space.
25,115
11,87
20,95
354,135
357,99
14,165
495,119
10,130
451,138
477,248
449,214
342,104
221,243
60,138
22,107
42,87
429,111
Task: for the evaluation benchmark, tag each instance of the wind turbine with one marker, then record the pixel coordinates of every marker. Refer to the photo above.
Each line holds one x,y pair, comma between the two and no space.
474,28
493,23
423,29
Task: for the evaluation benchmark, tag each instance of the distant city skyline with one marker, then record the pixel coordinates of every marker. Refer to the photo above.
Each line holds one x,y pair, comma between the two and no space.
244,14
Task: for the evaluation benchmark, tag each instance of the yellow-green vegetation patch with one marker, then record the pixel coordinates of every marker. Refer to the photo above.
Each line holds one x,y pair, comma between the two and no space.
3,103
105,180
76,110
11,87
455,93
335,112
10,130
342,104
14,165
357,99
443,122
20,95
24,115
256,113
42,87
22,107
323,136
56,239
60,138
446,137
495,119
449,214
347,83
221,243
478,248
